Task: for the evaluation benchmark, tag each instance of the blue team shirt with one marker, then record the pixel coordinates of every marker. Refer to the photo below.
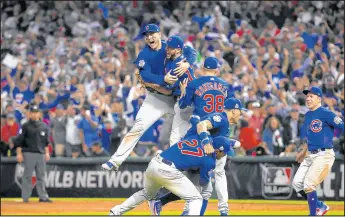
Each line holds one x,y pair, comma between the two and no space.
189,154
318,128
171,65
220,125
90,133
207,93
151,63
21,96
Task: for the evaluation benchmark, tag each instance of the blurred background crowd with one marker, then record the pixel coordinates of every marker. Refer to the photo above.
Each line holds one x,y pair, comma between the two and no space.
75,60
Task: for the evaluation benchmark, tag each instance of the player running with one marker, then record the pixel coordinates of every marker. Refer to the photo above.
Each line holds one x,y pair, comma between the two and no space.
150,63
165,170
317,155
217,124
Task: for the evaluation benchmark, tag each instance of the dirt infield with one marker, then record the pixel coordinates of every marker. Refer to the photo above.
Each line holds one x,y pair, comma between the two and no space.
101,206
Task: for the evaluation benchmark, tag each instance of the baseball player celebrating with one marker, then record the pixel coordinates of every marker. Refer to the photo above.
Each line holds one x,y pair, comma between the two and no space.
150,63
181,118
216,124
317,156
164,170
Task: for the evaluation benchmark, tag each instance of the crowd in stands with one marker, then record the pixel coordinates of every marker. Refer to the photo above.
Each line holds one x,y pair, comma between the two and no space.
75,60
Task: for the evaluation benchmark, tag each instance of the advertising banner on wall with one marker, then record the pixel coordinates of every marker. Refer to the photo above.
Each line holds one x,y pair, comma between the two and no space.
246,180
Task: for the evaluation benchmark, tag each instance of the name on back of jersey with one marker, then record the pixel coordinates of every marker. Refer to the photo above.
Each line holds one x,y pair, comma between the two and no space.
211,86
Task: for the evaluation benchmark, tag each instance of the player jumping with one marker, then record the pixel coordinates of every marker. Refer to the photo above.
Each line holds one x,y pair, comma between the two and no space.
150,63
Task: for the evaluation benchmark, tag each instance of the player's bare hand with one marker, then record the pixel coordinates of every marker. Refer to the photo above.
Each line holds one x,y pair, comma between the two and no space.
300,156
182,67
170,79
183,86
208,149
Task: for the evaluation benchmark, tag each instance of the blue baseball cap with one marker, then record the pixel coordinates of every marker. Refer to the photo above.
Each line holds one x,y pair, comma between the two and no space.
150,28
314,90
175,42
222,143
233,103
211,63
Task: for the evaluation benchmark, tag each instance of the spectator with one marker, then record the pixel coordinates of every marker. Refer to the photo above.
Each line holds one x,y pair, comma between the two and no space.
272,111
257,119
98,150
73,141
292,125
290,149
272,136
9,130
88,130
105,134
58,126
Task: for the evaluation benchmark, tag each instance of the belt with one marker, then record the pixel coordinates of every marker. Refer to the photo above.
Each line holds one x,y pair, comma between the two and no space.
162,160
151,90
177,98
318,150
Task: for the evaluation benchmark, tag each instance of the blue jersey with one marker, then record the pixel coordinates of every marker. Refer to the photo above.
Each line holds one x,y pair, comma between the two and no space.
318,128
171,65
151,63
189,154
220,125
207,93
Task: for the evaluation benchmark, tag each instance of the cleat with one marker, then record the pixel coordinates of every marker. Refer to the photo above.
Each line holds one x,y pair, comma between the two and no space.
322,210
184,213
223,213
109,166
155,207
45,200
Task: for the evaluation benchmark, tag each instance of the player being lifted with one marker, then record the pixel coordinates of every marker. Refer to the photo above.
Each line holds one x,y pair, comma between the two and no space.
317,155
165,168
150,63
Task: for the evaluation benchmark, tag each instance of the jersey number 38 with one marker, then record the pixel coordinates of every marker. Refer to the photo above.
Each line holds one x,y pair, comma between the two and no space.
214,103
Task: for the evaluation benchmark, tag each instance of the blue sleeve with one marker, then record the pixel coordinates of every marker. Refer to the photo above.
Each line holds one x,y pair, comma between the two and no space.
64,97
145,70
14,72
325,45
205,171
217,120
80,124
187,99
51,105
190,54
266,138
335,121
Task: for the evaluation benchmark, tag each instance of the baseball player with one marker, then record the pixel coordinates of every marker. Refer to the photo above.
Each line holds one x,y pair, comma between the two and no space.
317,155
150,63
216,124
164,170
181,118
208,94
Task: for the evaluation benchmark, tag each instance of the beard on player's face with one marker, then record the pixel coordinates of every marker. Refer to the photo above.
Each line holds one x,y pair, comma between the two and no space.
153,39
172,53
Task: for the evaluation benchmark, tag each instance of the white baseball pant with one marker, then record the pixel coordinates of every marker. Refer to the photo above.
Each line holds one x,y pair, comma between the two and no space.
159,174
153,108
179,129
313,170
180,123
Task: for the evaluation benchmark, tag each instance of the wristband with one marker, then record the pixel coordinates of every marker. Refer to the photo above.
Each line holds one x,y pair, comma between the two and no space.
205,141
